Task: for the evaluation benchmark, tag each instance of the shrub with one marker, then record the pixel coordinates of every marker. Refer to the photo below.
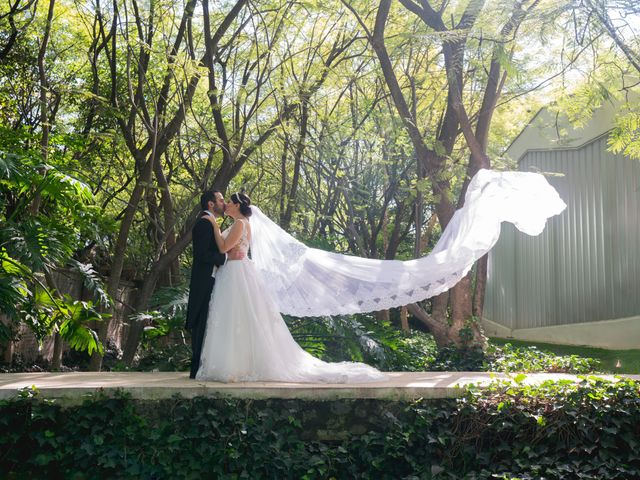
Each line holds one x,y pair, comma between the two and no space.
554,431
530,359
507,358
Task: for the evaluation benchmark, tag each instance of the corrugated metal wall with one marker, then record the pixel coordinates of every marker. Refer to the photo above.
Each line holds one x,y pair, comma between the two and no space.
585,266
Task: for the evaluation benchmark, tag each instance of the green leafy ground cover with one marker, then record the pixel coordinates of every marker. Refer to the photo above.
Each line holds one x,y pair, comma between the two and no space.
629,360
553,431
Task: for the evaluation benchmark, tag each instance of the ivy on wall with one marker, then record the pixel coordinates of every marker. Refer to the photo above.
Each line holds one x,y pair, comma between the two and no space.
555,430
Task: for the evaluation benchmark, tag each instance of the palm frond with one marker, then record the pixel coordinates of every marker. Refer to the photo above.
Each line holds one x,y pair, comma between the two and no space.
8,165
172,302
74,329
92,282
13,292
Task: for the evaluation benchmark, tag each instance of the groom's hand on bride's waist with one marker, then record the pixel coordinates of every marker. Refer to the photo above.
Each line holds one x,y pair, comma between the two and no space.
235,254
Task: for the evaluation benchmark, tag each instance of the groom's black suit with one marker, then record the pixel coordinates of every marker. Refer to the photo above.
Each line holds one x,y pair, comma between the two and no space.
206,255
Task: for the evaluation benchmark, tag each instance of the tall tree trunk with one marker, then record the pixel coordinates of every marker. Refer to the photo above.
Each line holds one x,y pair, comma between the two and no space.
56,358
283,178
297,161
8,352
146,292
117,263
466,331
44,83
404,319
478,142
437,321
481,286
169,223
45,124
431,163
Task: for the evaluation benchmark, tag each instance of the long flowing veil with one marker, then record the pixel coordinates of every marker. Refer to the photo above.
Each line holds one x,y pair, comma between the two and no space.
306,281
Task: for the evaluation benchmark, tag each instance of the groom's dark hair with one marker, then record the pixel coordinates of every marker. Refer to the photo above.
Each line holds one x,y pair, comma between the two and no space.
208,196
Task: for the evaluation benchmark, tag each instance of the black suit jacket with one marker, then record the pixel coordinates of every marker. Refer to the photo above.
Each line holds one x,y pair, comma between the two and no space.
206,255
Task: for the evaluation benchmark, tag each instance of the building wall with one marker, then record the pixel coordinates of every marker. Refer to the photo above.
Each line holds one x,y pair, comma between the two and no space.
29,349
585,266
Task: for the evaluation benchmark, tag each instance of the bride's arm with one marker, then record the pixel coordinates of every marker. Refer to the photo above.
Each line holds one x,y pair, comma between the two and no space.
233,238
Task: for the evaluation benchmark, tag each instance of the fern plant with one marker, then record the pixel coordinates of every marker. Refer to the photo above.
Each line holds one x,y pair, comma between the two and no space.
43,215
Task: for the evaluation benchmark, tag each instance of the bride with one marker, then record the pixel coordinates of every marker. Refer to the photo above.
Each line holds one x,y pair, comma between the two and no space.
246,337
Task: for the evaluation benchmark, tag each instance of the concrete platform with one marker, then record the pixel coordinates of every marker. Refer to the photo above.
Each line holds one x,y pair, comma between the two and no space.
71,387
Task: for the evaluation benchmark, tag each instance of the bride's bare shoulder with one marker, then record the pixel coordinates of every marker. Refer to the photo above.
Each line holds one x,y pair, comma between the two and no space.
247,225
241,224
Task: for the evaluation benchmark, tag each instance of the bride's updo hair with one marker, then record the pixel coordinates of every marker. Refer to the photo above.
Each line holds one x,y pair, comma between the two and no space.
244,201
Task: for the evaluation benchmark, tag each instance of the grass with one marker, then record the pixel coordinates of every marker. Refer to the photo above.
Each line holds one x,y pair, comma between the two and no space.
629,359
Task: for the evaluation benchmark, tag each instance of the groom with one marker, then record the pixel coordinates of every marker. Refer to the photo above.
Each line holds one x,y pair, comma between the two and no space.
206,258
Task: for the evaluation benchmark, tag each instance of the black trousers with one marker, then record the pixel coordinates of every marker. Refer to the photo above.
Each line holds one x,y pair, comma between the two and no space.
197,335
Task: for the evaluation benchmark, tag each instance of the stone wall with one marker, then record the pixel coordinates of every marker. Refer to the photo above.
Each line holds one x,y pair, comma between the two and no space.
70,282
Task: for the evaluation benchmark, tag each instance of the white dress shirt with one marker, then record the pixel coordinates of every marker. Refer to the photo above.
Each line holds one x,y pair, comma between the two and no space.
226,257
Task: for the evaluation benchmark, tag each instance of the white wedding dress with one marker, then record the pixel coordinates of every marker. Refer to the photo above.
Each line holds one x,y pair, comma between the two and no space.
246,338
